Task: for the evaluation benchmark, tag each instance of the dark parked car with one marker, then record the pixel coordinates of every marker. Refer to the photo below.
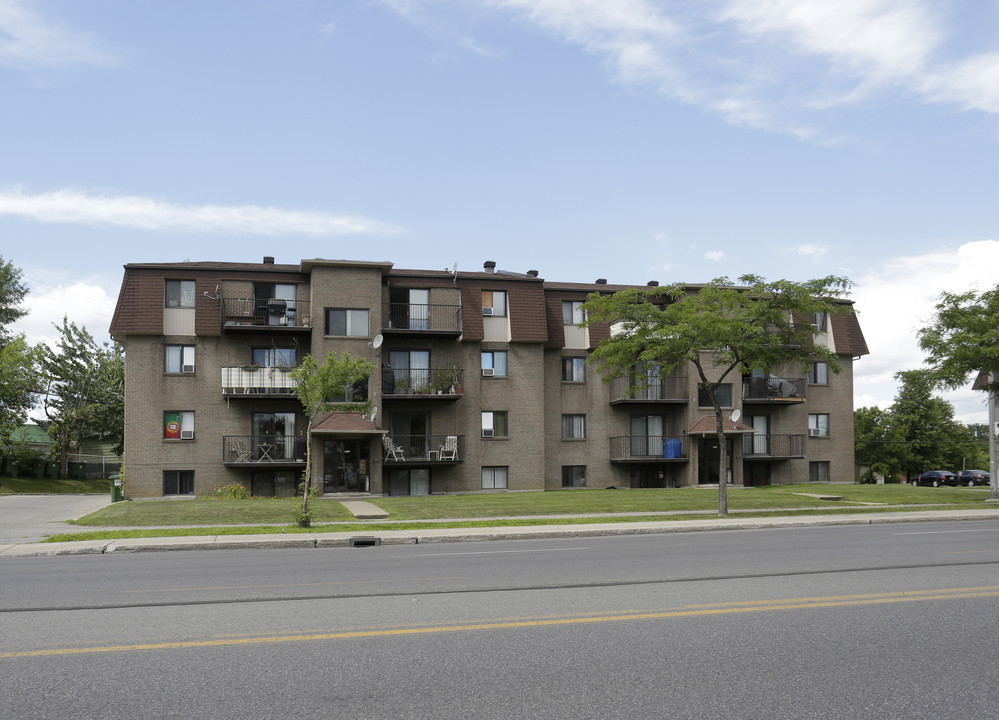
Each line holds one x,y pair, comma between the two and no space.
936,478
973,477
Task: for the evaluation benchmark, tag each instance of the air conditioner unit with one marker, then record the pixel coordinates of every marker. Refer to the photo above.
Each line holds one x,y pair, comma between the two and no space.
487,311
187,369
488,372
814,432
187,434
487,433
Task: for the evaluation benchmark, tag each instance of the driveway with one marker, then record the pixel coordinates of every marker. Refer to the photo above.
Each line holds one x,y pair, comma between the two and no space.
29,518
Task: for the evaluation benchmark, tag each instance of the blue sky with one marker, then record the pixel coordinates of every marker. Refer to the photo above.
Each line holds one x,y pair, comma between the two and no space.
627,139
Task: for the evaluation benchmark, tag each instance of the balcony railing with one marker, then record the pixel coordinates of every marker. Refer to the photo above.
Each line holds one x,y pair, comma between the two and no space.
436,383
772,446
260,313
287,450
649,448
669,388
774,389
249,380
409,318
424,449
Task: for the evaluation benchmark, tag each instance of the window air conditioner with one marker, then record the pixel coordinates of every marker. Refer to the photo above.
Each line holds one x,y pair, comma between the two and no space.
488,372
487,311
187,434
187,368
814,432
487,432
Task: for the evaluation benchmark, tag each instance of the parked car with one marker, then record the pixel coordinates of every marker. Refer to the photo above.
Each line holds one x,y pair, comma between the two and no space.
973,477
936,478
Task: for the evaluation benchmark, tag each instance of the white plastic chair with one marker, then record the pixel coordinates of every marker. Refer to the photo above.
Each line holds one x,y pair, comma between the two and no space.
392,451
449,450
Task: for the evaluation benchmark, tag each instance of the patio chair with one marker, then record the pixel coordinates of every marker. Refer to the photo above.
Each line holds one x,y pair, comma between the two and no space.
392,451
449,450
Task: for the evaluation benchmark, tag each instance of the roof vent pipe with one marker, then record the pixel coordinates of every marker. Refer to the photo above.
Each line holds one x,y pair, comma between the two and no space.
532,273
601,281
489,266
653,283
268,259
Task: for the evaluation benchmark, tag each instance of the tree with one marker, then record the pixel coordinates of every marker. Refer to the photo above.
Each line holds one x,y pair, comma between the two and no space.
18,383
315,384
12,293
877,442
84,390
718,328
933,439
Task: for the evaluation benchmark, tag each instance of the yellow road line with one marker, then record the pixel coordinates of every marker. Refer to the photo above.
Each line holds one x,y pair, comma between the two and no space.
693,611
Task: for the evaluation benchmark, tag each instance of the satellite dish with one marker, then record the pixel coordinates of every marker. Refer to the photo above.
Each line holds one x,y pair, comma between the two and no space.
374,413
376,341
736,414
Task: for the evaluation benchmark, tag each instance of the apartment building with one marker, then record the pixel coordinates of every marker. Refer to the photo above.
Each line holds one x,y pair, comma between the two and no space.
481,385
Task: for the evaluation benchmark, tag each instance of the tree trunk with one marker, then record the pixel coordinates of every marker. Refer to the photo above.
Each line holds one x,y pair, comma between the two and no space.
722,464
307,485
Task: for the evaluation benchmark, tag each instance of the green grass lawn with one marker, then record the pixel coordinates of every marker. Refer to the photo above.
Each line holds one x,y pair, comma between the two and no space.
34,486
211,511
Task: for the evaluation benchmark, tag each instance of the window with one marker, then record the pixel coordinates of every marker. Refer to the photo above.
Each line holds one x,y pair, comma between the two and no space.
573,369
818,374
494,424
409,308
410,371
723,392
494,302
274,357
355,392
178,425
818,471
818,425
178,482
818,321
274,437
346,323
573,427
494,363
179,358
573,476
180,293
494,478
572,312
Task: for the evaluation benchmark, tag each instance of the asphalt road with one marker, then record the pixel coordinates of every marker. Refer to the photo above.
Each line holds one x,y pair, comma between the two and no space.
888,621
30,518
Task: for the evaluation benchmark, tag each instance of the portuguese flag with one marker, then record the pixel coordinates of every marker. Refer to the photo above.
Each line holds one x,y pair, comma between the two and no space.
171,425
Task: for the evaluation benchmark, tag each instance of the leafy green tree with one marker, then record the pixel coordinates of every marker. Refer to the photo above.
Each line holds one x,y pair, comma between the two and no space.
12,293
84,383
18,383
718,328
315,384
934,440
878,444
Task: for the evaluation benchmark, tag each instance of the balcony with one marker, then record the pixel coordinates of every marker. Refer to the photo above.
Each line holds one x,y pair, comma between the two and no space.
668,389
410,319
772,447
773,390
422,383
649,449
263,450
257,382
423,449
271,315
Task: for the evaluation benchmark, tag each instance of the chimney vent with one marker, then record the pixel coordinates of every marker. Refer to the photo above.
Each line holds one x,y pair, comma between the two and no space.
601,281
489,266
532,273
268,259
653,283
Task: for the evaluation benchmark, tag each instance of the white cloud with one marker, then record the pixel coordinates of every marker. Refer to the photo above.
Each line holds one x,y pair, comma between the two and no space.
714,255
898,298
83,303
811,250
29,40
75,207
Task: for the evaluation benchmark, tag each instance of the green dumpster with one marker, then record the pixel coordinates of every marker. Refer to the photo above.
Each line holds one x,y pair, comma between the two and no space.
78,470
116,490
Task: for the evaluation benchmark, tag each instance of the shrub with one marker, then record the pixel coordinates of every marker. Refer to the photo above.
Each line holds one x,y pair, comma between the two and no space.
233,491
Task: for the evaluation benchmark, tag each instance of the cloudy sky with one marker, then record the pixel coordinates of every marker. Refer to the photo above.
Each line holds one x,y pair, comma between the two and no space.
627,139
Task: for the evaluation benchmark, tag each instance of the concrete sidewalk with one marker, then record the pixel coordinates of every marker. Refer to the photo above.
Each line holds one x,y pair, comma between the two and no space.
359,537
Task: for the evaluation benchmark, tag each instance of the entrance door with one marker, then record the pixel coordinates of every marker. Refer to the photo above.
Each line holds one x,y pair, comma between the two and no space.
273,436
412,432
646,435
411,370
410,308
759,442
345,466
710,460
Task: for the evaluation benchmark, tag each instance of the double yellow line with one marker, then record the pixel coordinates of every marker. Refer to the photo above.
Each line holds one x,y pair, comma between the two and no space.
753,606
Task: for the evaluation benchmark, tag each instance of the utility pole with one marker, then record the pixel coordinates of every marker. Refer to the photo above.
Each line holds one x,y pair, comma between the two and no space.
993,423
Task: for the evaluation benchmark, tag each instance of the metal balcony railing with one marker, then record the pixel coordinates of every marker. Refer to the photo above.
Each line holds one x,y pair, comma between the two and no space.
414,318
669,388
774,389
649,448
270,313
439,383
251,380
772,446
263,449
423,448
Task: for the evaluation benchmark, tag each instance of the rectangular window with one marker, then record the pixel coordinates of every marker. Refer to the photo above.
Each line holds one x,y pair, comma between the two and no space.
180,293
179,358
573,427
573,369
178,425
572,312
494,363
357,392
818,321
723,392
178,482
345,322
574,476
494,424
818,374
818,425
274,357
494,478
818,471
494,302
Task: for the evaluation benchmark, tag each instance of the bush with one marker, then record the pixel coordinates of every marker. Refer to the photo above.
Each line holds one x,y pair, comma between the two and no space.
234,491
